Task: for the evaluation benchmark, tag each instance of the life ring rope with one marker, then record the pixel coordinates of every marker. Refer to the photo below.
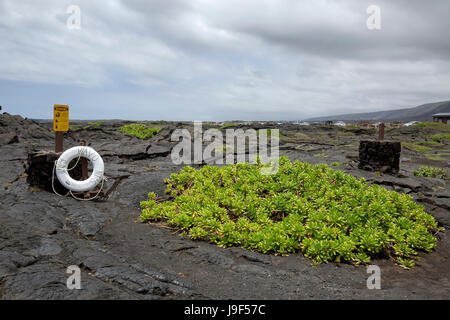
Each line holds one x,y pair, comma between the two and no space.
98,171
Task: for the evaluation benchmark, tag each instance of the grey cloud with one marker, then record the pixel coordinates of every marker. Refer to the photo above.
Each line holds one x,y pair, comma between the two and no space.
230,59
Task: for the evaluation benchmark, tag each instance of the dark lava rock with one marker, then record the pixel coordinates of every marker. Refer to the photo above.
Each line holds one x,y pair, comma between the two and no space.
8,138
23,128
383,156
42,234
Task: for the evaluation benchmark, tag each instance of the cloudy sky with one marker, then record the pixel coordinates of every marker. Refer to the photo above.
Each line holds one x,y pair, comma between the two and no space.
221,59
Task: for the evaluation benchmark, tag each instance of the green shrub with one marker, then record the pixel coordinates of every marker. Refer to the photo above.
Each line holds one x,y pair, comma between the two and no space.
139,130
337,164
325,214
431,172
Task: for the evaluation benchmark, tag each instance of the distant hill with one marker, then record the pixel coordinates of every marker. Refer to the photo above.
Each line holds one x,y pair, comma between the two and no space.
421,113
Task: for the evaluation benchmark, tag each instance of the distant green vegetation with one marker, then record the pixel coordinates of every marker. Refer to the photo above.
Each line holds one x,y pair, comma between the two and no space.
90,125
435,143
437,156
345,133
302,136
269,133
327,215
415,147
93,125
440,137
75,127
351,127
438,125
431,172
321,155
139,130
228,125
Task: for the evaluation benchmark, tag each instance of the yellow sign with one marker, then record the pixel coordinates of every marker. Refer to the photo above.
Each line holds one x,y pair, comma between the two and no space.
60,117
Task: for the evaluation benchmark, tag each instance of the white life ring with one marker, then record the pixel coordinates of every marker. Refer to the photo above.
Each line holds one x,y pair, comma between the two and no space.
74,185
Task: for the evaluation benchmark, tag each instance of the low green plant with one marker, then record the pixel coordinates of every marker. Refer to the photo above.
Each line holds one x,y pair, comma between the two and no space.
440,137
337,164
345,133
325,214
351,127
93,124
434,143
437,125
415,147
139,130
321,155
268,133
437,156
76,127
431,172
303,136
228,125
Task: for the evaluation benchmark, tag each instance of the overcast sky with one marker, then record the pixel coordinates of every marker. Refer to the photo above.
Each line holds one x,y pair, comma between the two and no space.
221,59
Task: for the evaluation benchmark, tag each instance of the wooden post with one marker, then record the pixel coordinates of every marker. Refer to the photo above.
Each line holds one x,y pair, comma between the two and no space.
381,131
84,168
59,138
60,125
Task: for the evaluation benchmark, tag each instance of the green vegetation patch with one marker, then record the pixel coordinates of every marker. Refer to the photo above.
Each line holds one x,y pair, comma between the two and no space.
321,155
345,133
437,156
268,133
75,127
228,125
437,125
415,147
434,143
93,124
431,172
301,135
90,125
351,127
440,137
139,130
325,214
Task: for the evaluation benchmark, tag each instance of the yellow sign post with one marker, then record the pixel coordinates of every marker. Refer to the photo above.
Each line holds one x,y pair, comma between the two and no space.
60,117
60,124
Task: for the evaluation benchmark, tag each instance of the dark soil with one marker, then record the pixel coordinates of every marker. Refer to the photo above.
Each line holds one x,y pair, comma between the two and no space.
41,234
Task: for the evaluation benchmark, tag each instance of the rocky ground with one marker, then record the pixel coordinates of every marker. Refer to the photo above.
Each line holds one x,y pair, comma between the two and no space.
41,234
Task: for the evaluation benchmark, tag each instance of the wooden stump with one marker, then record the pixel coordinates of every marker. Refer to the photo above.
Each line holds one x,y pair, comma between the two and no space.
383,156
40,170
